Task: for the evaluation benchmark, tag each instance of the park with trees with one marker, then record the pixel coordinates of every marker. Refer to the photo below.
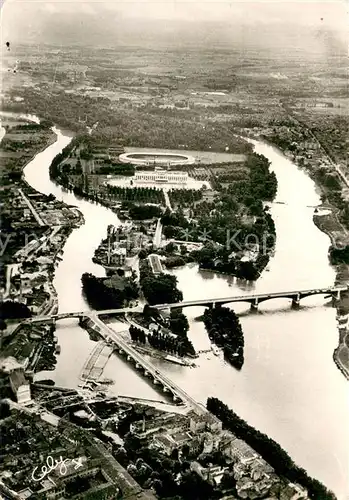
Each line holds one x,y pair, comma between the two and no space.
158,289
224,329
108,293
236,223
162,341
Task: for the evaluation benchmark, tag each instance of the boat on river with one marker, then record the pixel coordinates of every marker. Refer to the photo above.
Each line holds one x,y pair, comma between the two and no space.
177,361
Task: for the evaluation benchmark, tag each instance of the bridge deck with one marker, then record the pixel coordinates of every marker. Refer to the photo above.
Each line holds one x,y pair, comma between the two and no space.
254,296
198,302
109,333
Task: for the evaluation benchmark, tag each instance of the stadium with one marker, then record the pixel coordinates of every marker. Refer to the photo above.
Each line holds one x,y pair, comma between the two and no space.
147,158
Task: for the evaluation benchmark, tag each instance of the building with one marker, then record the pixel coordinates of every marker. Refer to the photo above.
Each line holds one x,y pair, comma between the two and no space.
236,449
147,427
197,422
55,485
213,475
20,387
118,257
293,492
206,421
161,176
169,441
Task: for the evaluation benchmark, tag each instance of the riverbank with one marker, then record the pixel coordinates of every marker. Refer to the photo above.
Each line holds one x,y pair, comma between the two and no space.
40,256
330,225
339,236
284,348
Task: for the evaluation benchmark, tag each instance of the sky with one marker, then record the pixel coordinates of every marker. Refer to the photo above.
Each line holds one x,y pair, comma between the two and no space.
330,12
18,15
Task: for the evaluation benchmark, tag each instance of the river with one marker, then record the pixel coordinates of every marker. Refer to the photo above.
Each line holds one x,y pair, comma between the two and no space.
289,386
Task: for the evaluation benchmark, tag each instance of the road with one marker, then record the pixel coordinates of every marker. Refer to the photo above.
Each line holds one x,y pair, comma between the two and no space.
167,200
9,269
32,209
157,235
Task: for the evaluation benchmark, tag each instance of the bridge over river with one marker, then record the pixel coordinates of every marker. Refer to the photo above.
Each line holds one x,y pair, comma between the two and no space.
179,395
254,299
149,370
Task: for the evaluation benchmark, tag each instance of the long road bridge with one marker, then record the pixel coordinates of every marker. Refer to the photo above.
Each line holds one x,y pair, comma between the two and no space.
254,299
149,370
178,394
257,298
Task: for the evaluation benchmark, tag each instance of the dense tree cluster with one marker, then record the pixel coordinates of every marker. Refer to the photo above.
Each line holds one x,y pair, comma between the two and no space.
137,334
100,295
268,449
144,212
179,323
263,183
175,261
162,341
339,255
117,169
55,170
231,176
137,194
184,197
12,310
133,127
230,260
160,289
224,329
329,180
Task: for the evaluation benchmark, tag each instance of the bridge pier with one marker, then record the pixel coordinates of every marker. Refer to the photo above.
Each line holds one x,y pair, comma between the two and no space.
295,301
254,305
336,298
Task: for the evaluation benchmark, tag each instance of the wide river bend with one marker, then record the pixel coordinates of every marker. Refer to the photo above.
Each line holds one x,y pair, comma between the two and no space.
289,386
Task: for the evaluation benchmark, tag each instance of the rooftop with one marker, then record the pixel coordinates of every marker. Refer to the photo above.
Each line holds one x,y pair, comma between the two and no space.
17,378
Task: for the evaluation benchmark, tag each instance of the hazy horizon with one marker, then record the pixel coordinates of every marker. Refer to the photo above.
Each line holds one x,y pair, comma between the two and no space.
314,26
